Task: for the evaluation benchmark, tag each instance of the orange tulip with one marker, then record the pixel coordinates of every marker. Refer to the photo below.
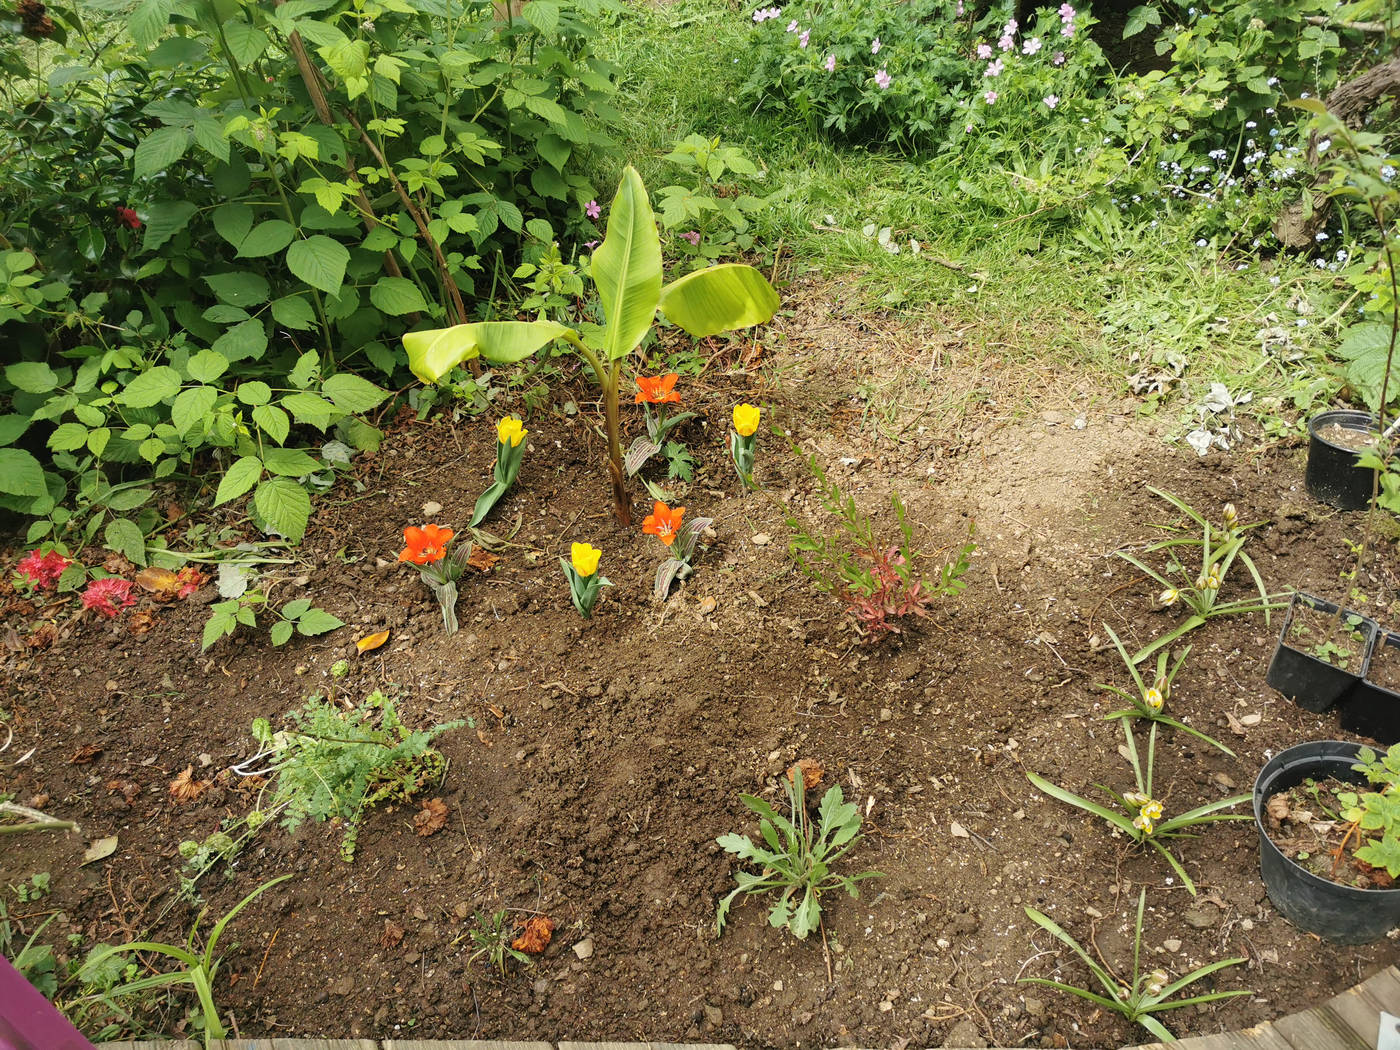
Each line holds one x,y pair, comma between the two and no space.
663,522
658,390
425,545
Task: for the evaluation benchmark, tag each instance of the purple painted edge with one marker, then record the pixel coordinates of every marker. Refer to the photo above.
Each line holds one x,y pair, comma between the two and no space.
28,1021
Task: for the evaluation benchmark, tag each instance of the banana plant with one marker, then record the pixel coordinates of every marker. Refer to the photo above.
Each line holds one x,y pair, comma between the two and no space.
626,271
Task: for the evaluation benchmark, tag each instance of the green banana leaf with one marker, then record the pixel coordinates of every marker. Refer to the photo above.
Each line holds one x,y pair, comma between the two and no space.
432,354
627,268
719,299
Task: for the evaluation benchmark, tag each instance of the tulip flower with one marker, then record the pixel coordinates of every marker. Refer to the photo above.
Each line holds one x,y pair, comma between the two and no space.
581,570
510,433
741,441
425,548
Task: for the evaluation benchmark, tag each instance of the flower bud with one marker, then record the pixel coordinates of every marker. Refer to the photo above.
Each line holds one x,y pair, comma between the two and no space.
1154,699
1169,596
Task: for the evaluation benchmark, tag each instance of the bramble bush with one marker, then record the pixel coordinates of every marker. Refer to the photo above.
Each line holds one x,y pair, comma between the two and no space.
209,224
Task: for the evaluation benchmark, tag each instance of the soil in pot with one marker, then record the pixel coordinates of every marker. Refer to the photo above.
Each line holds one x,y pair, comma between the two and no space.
1347,437
1305,822
1385,665
1334,638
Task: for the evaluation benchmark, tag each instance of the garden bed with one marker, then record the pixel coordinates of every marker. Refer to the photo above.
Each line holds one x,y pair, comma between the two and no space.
604,757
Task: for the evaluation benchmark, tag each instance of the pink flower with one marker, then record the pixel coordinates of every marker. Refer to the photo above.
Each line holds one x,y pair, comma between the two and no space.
1051,100
1011,26
1067,30
1066,13
693,236
804,38
990,96
592,210
961,9
590,245
792,26
875,46
830,63
984,51
1031,46
968,129
1057,59
108,596
882,78
42,570
1006,43
994,69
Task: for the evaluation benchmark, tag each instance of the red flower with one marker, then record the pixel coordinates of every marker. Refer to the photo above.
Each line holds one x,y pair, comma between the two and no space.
663,522
42,570
108,596
191,579
657,390
129,217
425,545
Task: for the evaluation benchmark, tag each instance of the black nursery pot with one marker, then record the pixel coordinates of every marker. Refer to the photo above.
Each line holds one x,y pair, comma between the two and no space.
1310,682
1336,913
1332,476
1373,710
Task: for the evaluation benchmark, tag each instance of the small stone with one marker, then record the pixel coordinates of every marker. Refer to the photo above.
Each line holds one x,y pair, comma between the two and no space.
344,986
886,714
1223,779
714,1016
431,509
584,948
777,986
1202,916
706,605
762,539
965,1034
1171,944
542,986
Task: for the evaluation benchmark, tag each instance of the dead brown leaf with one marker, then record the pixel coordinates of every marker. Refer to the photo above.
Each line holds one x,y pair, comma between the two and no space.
481,559
1236,726
812,773
117,564
85,754
536,936
185,788
392,936
485,740
140,621
500,715
430,819
44,636
1278,807
372,641
162,583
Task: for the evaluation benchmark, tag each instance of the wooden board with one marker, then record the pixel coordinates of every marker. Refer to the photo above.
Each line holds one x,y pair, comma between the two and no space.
462,1044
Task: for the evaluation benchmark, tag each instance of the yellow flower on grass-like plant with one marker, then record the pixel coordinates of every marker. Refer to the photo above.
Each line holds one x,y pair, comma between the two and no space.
510,431
1148,814
1154,699
584,558
1169,596
746,419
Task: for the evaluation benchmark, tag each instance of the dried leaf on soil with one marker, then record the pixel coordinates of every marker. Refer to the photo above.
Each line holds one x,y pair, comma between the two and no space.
1278,807
535,939
129,789
162,583
85,754
481,559
99,849
431,818
372,641
140,621
44,636
481,735
392,935
500,715
812,772
185,788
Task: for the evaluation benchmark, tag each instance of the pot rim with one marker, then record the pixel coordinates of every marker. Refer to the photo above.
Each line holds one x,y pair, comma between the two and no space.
1299,870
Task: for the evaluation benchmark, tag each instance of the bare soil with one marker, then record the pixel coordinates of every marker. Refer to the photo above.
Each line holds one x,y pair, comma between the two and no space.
606,756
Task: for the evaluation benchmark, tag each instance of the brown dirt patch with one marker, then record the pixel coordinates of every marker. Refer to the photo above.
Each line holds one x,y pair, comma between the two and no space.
622,744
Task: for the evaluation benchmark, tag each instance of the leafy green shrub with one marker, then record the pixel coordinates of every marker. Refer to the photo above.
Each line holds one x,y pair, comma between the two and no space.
708,215
336,764
205,225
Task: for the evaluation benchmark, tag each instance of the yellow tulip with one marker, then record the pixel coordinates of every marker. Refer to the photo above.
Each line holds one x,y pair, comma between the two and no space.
509,431
746,419
584,557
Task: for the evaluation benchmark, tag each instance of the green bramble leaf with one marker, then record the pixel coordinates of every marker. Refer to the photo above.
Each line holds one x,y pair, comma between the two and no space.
284,506
319,261
241,477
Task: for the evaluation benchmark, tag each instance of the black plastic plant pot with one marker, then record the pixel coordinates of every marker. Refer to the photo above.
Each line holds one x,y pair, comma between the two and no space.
1336,913
1373,710
1332,476
1309,681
